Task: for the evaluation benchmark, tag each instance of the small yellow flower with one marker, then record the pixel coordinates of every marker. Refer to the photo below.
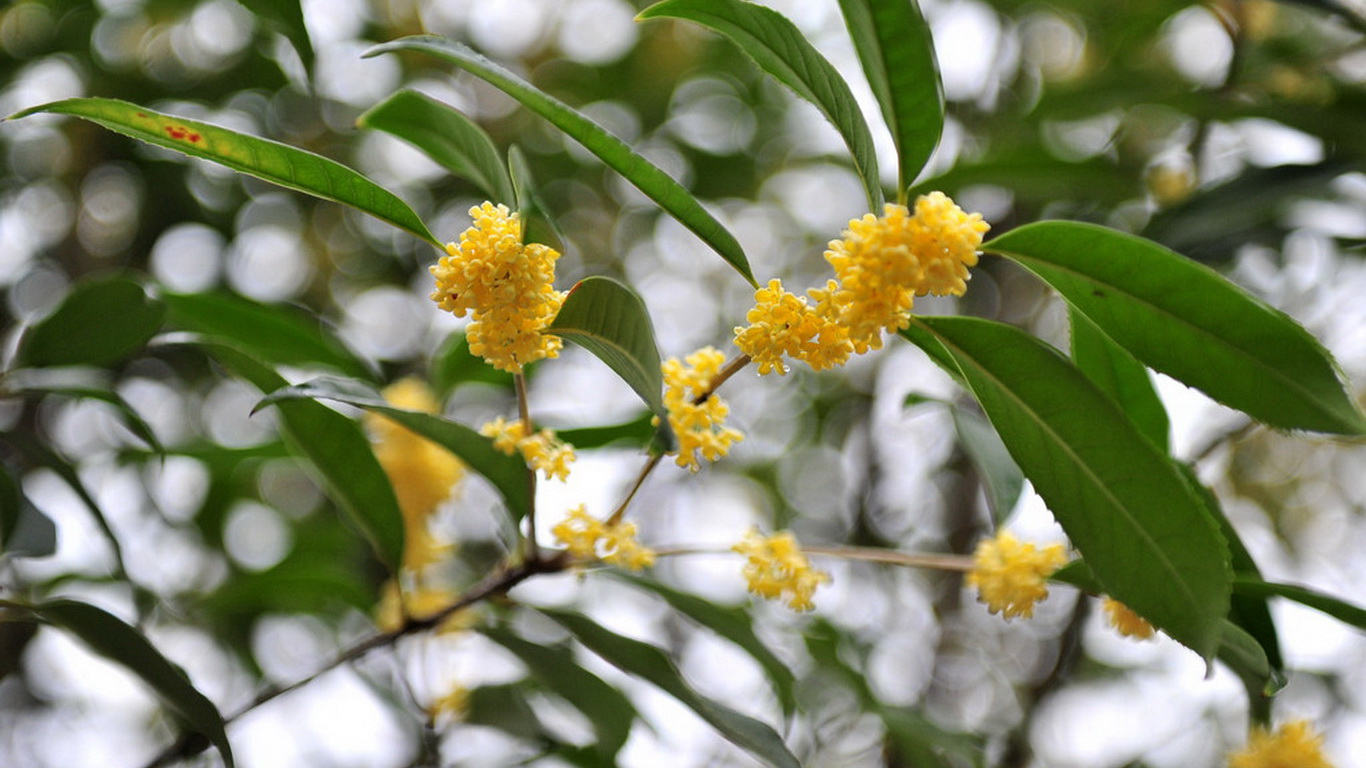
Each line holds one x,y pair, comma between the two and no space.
507,285
1010,575
1126,622
784,324
777,568
699,426
584,536
1293,745
450,707
542,451
423,474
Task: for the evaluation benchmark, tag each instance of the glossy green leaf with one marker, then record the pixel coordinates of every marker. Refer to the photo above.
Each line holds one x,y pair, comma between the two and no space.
269,332
610,320
1001,476
537,224
1183,319
271,161
1339,609
24,530
507,473
336,448
731,622
608,709
1120,376
653,664
1120,500
287,17
781,50
897,53
447,136
101,322
108,636
657,185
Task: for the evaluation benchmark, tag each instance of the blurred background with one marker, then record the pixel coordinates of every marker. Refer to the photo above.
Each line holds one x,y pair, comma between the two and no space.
1231,131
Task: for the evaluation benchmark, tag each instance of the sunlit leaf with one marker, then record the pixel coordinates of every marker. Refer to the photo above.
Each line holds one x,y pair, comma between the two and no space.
508,474
652,664
657,185
265,159
110,637
100,322
896,50
1120,500
781,50
447,136
1120,376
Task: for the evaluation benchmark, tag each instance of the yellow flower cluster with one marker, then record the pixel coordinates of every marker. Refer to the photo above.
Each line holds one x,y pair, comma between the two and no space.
587,538
1010,575
785,324
699,426
1293,745
543,450
396,605
776,568
1126,622
422,473
507,285
881,265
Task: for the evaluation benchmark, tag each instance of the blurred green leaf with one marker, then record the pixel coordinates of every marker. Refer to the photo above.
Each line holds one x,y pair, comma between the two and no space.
537,225
897,52
648,178
1337,608
265,159
505,707
507,473
652,664
270,332
1001,476
83,384
1241,653
100,322
454,364
336,448
120,643
447,136
24,530
1183,319
1120,376
781,50
608,709
635,432
731,622
287,17
1120,500
610,320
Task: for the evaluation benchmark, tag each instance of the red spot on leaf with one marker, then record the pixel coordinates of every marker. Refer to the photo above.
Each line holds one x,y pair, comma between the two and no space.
194,137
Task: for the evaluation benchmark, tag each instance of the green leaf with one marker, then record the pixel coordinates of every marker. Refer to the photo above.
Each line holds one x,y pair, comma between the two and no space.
505,707
287,17
781,50
648,178
1120,500
447,136
1183,319
731,622
337,448
608,709
24,530
454,364
896,50
265,159
85,384
652,664
507,473
1000,474
537,225
1120,376
609,319
269,332
1244,655
108,636
101,322
634,432
1337,608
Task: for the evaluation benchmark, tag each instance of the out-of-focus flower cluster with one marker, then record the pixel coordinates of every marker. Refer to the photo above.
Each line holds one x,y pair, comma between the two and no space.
588,538
1293,745
1011,575
542,450
776,568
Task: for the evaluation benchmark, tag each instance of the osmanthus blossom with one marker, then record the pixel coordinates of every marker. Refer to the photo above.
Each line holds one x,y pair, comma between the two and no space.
782,323
506,285
542,451
1011,575
587,538
699,427
1125,621
776,568
1292,745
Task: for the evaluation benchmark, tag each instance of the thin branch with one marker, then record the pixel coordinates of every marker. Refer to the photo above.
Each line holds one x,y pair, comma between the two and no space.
932,560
